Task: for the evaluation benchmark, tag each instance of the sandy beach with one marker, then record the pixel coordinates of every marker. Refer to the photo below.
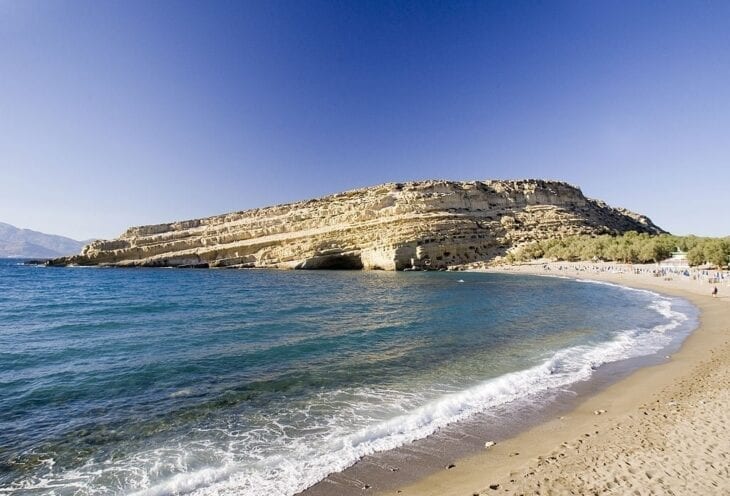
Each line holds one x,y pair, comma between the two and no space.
662,430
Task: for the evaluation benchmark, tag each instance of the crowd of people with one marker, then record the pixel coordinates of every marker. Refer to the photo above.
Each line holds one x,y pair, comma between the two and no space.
706,276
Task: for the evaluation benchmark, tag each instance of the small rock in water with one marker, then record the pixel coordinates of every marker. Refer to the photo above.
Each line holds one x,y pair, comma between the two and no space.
489,444
366,486
450,466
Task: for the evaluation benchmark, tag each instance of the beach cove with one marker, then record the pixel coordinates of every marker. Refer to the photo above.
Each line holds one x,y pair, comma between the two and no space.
662,430
314,248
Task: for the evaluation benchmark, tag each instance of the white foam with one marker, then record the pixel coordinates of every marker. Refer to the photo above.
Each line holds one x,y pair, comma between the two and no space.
184,483
614,285
181,393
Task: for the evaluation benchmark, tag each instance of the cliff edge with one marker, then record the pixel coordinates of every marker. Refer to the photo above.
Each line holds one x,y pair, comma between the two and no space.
391,227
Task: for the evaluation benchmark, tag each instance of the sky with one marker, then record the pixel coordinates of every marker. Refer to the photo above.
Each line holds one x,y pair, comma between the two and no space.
121,113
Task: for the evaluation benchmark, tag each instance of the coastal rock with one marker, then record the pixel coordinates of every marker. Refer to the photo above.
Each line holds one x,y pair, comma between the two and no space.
394,226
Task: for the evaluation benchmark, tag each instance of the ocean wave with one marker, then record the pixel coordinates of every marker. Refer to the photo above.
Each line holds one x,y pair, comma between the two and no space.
562,369
619,286
279,463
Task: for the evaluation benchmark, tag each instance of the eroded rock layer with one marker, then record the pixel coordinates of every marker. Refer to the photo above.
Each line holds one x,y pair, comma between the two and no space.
391,227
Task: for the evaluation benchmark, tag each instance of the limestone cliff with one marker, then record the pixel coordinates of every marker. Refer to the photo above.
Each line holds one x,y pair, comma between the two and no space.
390,227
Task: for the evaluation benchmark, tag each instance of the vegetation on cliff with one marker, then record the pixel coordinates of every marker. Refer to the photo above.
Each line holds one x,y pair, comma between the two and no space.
630,247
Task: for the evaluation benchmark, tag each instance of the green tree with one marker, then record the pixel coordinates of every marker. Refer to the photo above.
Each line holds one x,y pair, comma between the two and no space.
696,255
715,252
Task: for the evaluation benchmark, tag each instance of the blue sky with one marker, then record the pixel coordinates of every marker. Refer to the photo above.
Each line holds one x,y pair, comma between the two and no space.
124,113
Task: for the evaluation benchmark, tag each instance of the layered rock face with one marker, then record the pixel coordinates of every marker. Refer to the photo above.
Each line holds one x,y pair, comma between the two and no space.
391,227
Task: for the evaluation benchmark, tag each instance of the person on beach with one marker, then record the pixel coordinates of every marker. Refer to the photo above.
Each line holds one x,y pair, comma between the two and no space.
714,292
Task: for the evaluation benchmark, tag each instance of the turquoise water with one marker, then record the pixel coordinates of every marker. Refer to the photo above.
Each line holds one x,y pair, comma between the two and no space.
165,381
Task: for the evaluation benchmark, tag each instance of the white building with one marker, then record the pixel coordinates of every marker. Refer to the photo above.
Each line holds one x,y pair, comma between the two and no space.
678,260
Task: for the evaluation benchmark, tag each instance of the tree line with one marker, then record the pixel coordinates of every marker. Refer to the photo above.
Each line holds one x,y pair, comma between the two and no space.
630,247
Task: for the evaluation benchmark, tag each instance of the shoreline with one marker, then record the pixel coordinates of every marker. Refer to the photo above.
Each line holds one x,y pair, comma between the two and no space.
660,430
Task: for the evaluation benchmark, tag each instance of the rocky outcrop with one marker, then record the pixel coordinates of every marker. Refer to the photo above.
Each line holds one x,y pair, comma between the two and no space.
391,227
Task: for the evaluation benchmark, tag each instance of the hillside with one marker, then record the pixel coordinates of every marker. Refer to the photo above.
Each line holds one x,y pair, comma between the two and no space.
391,227
25,243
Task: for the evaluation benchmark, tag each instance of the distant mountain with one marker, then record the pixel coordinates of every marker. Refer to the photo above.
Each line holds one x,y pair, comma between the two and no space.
24,243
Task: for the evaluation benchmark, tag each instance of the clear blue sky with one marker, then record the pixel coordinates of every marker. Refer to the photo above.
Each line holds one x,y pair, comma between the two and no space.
123,113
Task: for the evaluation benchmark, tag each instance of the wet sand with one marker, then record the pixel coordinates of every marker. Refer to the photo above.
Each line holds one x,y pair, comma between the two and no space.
661,430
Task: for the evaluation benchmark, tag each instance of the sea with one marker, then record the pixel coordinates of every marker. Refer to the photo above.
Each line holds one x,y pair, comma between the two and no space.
262,382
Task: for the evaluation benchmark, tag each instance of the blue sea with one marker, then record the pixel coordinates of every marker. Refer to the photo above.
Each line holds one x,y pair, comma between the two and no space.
258,382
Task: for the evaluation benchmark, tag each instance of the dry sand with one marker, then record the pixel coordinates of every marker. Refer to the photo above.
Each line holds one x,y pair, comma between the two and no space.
663,430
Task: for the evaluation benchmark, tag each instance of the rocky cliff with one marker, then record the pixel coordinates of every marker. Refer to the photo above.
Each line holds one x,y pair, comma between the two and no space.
391,227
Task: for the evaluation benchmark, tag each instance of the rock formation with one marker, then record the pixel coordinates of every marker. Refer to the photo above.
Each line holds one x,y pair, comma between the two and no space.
391,227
